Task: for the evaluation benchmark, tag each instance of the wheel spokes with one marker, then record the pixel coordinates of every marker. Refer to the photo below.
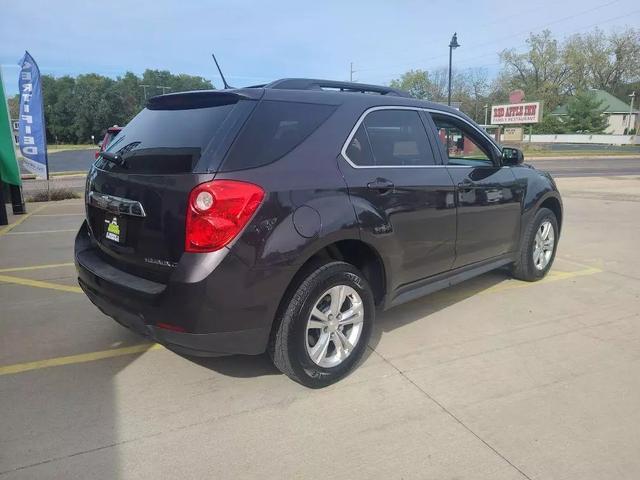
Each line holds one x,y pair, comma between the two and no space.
334,326
316,324
344,342
545,229
340,350
352,316
337,294
319,350
544,244
320,315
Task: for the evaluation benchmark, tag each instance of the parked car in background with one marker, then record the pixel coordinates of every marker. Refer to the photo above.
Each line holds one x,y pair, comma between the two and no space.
282,217
108,138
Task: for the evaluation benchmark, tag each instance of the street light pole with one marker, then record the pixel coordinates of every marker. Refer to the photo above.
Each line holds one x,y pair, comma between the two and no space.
633,97
452,44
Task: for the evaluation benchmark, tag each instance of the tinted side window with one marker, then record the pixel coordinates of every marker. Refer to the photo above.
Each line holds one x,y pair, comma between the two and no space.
397,138
274,129
359,149
462,145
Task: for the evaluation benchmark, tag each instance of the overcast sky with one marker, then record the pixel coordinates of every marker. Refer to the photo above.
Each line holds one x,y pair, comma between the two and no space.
260,41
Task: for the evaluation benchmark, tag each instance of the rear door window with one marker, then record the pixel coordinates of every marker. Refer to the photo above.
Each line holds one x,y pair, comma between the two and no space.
275,129
159,141
391,138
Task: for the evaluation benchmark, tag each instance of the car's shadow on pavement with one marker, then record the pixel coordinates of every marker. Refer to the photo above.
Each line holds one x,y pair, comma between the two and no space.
239,366
246,366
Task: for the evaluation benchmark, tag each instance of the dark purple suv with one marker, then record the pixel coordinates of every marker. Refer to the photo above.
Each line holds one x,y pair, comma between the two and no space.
279,218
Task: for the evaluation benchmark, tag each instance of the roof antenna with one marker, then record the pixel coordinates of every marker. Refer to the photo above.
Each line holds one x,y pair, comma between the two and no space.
224,81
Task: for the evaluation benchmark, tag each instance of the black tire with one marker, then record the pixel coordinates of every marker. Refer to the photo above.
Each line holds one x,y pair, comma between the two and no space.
524,268
288,345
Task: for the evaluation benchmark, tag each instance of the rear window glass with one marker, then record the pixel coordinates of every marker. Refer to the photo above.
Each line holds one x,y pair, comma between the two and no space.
166,141
274,129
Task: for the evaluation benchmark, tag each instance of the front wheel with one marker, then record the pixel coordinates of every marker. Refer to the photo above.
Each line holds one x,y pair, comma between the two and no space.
325,325
538,248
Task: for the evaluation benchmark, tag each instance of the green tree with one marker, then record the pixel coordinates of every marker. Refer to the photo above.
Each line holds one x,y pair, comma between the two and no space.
14,106
416,82
60,108
131,95
97,106
585,114
77,108
156,79
604,61
469,88
542,71
550,124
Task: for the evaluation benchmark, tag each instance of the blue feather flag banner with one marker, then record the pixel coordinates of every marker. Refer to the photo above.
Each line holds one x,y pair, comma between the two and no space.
31,133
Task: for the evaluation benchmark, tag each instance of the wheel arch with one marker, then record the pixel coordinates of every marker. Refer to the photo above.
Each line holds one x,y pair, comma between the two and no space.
554,204
354,251
360,254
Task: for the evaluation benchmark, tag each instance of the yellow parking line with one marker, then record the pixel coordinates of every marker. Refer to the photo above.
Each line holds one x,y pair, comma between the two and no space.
24,217
39,284
552,276
73,359
35,267
60,215
36,232
117,352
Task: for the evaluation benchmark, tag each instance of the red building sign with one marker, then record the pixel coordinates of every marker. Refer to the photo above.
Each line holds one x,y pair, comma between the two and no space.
530,112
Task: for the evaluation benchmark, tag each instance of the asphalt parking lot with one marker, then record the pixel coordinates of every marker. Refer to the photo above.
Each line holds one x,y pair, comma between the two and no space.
491,379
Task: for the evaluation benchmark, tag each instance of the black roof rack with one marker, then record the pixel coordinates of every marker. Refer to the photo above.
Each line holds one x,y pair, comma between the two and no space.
315,84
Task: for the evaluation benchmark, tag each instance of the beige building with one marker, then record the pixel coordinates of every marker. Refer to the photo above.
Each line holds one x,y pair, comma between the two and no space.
616,111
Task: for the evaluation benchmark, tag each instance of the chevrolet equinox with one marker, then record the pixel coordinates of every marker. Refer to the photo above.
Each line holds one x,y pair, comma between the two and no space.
281,217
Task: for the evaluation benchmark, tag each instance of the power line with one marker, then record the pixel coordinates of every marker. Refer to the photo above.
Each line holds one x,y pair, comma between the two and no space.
506,37
633,12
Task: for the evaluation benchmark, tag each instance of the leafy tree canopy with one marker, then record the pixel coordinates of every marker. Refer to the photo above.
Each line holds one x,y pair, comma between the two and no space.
76,108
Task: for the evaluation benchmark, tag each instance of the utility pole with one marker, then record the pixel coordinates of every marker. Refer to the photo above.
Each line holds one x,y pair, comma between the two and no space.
452,44
144,88
351,72
486,113
633,97
163,88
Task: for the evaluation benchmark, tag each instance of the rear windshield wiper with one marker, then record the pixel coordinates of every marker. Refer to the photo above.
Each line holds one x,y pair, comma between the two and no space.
114,158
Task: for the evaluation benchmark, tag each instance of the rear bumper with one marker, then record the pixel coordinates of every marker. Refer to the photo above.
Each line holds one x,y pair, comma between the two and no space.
199,344
227,311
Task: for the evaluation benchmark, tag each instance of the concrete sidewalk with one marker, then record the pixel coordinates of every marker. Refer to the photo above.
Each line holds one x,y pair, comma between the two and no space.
491,379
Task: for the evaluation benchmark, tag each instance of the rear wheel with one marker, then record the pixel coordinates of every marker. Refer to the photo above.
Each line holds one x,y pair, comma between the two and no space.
325,325
538,248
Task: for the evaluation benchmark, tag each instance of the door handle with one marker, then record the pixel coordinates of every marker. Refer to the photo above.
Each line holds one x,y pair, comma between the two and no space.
382,185
467,185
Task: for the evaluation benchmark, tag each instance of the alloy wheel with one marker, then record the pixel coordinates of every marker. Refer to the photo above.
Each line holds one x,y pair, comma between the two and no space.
334,326
543,245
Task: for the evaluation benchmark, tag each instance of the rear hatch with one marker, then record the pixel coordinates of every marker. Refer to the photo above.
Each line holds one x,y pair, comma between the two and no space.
137,211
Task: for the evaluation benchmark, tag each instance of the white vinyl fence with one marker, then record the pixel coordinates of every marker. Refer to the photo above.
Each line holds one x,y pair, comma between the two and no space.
579,138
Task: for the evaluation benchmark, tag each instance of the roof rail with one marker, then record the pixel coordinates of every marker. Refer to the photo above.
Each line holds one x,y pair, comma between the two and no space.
315,84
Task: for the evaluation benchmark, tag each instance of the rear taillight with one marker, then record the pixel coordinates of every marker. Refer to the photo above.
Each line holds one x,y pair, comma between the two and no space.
218,211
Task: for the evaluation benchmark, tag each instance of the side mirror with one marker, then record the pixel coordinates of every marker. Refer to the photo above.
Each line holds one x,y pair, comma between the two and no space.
512,156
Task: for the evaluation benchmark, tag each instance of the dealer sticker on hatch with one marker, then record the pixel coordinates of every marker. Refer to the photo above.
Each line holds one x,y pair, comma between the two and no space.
113,229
